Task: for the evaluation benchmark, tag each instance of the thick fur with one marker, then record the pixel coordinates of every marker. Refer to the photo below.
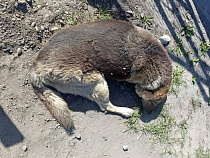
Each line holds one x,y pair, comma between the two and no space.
77,60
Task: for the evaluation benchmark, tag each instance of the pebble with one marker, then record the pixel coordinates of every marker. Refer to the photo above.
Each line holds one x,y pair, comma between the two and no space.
53,28
2,45
129,12
105,139
78,136
22,41
46,17
3,87
19,51
24,148
165,39
36,28
42,27
21,1
33,24
125,148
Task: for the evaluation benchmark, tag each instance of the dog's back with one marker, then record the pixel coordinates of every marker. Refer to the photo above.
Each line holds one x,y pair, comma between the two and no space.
112,47
79,57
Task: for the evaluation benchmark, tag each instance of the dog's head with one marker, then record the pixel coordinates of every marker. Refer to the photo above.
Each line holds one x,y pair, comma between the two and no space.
151,99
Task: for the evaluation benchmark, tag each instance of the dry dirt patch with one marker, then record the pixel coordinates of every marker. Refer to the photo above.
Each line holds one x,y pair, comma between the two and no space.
28,130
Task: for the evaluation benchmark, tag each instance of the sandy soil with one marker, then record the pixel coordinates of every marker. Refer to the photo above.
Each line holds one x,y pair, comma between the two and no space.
28,130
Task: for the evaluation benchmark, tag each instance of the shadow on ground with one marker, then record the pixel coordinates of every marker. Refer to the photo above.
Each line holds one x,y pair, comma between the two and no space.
9,134
185,62
121,94
110,5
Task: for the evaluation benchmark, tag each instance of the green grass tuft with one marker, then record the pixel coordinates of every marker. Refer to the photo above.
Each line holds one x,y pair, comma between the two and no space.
201,153
133,122
187,30
178,47
204,48
176,79
103,13
160,131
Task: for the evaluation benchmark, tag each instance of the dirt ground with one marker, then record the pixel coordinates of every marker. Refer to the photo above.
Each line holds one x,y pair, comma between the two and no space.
27,130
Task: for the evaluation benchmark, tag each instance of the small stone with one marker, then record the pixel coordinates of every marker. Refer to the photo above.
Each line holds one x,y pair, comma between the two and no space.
78,136
3,87
33,24
7,50
39,6
19,51
129,12
53,28
24,148
165,39
22,42
61,22
17,15
25,48
37,28
3,45
27,106
104,138
47,119
42,27
125,148
21,1
46,17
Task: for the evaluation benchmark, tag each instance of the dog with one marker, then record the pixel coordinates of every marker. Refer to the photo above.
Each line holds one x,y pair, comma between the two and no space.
78,60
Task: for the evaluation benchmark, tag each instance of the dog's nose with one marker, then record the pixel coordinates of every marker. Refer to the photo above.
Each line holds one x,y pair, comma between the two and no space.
148,111
148,106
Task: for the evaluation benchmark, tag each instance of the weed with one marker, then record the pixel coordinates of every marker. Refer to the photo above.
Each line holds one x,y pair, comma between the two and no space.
133,121
163,128
195,103
201,153
194,79
187,30
146,20
103,13
194,60
188,53
176,78
183,128
204,48
160,131
178,47
72,21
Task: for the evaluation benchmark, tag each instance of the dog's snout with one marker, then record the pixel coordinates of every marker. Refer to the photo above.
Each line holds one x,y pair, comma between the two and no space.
149,105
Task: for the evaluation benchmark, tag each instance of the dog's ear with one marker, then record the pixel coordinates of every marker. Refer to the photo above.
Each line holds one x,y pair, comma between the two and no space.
148,95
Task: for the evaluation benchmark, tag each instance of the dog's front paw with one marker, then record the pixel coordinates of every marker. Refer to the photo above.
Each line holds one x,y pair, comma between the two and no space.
127,112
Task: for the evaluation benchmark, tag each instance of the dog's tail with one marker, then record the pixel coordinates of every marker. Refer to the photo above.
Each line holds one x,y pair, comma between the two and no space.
54,103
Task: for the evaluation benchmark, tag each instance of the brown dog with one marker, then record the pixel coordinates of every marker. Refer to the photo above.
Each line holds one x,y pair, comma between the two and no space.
77,60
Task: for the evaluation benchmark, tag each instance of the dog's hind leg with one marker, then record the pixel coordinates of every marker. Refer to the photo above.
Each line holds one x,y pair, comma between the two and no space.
100,94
